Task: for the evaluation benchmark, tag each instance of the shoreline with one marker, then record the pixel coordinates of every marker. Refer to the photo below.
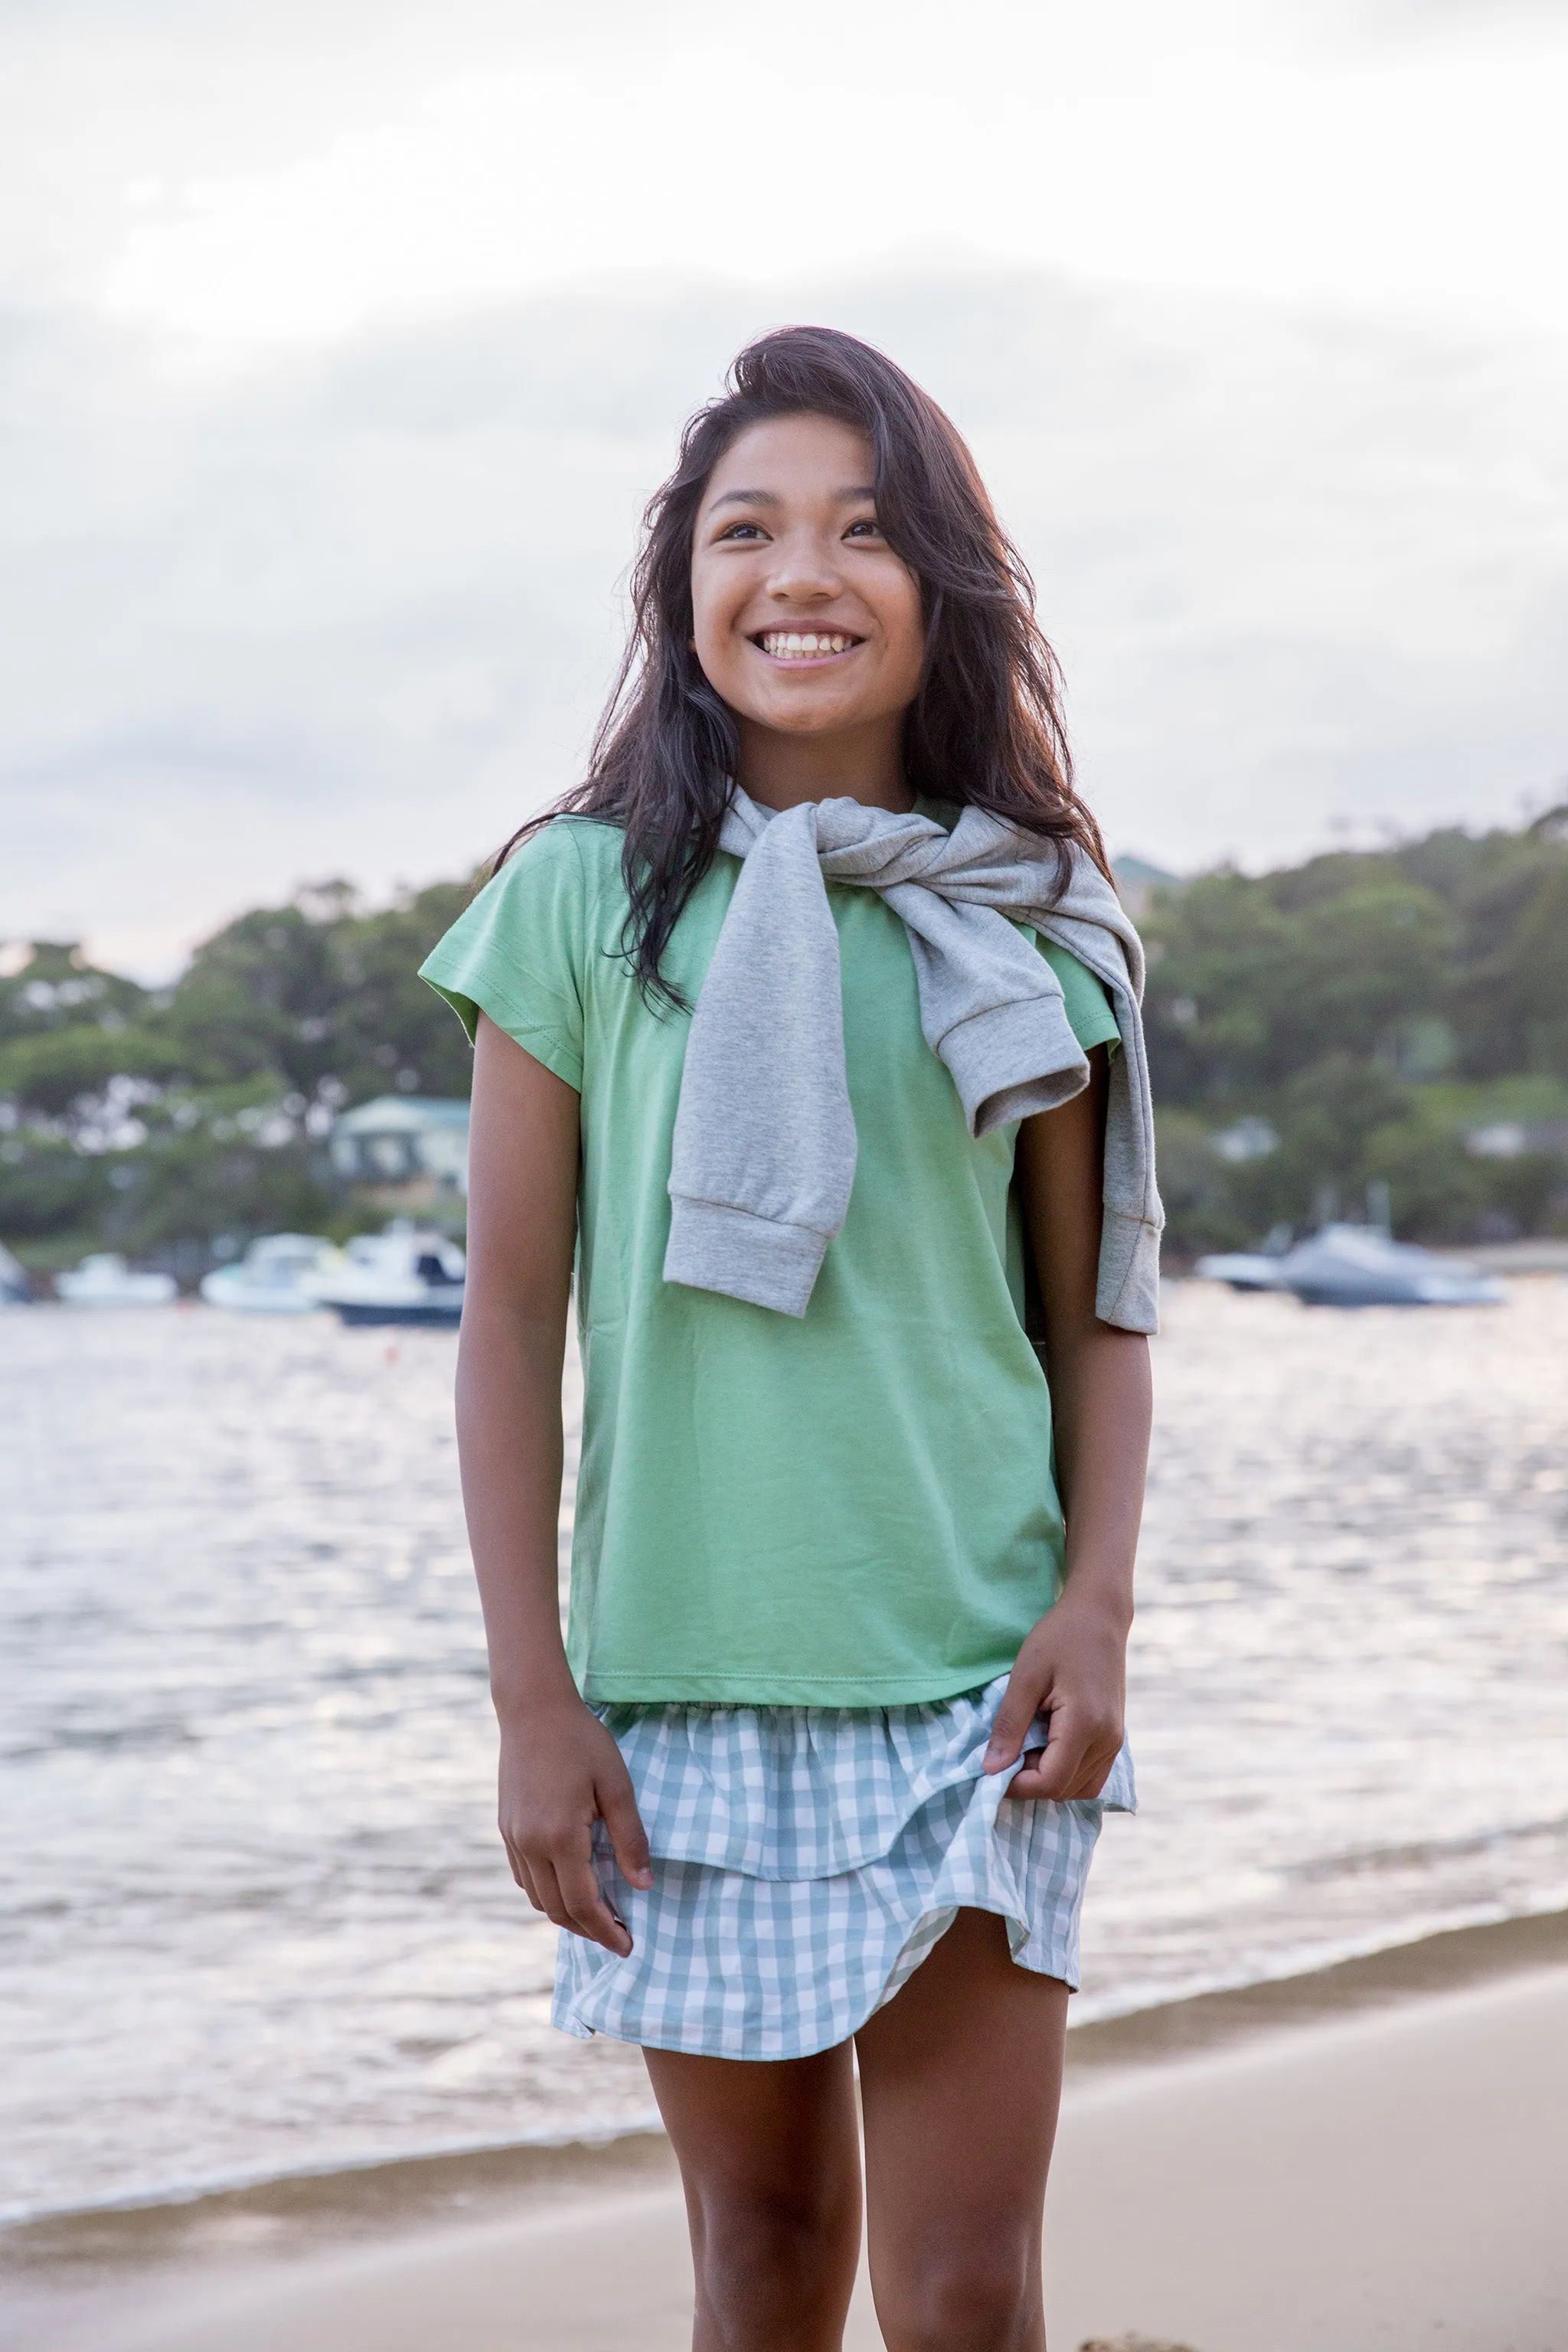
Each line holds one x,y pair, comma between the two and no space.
361,2190
75,2278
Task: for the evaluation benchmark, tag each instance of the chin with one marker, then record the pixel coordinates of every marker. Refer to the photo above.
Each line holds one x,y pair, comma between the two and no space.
799,715
801,722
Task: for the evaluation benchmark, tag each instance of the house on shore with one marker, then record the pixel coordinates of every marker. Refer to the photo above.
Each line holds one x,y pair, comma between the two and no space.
410,1153
1136,882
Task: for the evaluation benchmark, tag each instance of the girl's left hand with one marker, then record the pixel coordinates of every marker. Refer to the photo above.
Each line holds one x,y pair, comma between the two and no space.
1072,1668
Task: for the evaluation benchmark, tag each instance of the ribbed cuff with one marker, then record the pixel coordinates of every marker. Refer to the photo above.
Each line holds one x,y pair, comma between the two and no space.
995,1058
1128,1291
713,1247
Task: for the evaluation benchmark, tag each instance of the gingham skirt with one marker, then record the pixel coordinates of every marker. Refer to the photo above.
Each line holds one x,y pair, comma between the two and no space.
805,1859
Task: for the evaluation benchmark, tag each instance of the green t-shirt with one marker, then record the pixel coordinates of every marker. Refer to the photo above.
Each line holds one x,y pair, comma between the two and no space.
856,1509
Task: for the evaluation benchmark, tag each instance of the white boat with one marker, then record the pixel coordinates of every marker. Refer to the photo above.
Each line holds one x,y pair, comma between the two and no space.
1243,1269
279,1275
105,1280
1357,1265
402,1275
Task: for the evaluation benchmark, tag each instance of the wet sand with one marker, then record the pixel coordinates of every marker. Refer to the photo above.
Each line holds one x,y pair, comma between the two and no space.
1375,2154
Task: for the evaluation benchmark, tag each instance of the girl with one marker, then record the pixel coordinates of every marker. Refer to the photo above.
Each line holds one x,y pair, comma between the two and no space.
808,1027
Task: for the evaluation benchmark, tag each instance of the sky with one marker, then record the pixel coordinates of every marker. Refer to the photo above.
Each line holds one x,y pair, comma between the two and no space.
340,345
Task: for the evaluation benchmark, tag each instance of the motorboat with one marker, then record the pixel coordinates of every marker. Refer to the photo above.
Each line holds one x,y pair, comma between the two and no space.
1243,1269
105,1280
279,1275
1357,1265
402,1275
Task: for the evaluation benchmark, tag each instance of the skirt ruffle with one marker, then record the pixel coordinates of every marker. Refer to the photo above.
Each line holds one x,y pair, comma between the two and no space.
805,1860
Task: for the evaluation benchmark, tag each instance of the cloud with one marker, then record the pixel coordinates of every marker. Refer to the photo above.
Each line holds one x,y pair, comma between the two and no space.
353,613
255,176
1428,20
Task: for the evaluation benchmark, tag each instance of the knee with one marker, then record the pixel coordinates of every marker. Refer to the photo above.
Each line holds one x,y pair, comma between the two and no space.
747,2241
979,2298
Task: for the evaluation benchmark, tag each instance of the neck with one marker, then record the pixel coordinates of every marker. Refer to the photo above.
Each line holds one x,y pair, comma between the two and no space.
863,764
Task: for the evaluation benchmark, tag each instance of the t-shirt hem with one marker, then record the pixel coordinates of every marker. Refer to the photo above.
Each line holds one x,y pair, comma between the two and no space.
633,1689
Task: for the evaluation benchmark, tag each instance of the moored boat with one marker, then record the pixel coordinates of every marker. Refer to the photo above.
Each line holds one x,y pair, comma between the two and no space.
105,1280
279,1275
401,1276
1242,1269
1357,1265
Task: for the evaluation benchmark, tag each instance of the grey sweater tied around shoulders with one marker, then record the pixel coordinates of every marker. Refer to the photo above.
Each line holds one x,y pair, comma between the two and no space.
764,1145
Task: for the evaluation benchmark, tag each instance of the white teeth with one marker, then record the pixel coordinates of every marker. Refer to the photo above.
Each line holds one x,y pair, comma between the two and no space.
793,645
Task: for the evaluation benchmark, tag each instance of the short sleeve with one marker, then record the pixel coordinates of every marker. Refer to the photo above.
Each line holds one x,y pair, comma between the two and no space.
1084,999
519,951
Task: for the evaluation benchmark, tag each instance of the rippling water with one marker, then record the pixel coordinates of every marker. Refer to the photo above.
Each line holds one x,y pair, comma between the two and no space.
255,1917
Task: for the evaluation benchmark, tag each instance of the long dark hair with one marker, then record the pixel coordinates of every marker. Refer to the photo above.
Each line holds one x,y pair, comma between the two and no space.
987,725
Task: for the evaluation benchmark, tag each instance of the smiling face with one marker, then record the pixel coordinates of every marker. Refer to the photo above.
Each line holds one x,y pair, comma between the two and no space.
804,619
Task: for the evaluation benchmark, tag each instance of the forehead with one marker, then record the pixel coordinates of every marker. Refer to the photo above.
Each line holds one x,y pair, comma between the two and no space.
794,457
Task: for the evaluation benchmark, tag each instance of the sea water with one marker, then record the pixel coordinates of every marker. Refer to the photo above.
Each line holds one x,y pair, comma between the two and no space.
256,1916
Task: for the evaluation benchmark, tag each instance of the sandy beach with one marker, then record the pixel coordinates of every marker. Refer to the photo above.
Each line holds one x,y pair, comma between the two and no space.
1375,2154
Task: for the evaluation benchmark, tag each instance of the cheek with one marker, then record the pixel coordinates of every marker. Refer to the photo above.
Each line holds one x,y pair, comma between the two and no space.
701,606
904,620
714,604
712,611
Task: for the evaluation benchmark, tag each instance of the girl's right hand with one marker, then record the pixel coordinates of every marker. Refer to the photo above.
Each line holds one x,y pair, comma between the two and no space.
561,1771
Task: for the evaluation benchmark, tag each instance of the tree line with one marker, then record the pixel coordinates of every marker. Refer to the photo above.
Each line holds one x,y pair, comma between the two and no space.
160,1122
1394,1018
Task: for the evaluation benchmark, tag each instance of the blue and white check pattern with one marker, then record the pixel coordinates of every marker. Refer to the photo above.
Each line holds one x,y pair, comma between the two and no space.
807,1859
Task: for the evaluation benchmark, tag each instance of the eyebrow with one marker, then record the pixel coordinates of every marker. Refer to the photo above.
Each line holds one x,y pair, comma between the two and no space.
771,498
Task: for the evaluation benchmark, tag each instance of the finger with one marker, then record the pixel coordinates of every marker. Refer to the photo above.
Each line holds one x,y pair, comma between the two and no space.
1075,1764
1088,1783
1059,1762
588,1913
522,1873
1021,1783
618,1810
1020,1705
547,1890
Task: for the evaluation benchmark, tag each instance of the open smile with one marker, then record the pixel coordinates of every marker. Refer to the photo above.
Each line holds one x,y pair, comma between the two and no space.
805,644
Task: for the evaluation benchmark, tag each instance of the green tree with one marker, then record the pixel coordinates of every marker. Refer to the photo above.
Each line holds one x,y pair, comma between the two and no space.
324,999
1253,980
65,1075
144,1119
56,988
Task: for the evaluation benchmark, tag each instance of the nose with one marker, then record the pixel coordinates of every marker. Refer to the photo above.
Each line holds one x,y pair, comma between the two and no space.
804,570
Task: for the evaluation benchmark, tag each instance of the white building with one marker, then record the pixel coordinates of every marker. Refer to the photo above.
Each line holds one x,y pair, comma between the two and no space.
404,1140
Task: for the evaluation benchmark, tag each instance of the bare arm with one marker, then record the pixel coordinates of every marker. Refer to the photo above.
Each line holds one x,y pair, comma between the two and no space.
1072,1666
560,1768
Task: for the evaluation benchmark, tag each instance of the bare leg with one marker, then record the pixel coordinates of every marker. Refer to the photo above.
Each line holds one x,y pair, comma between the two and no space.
770,2160
960,2081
